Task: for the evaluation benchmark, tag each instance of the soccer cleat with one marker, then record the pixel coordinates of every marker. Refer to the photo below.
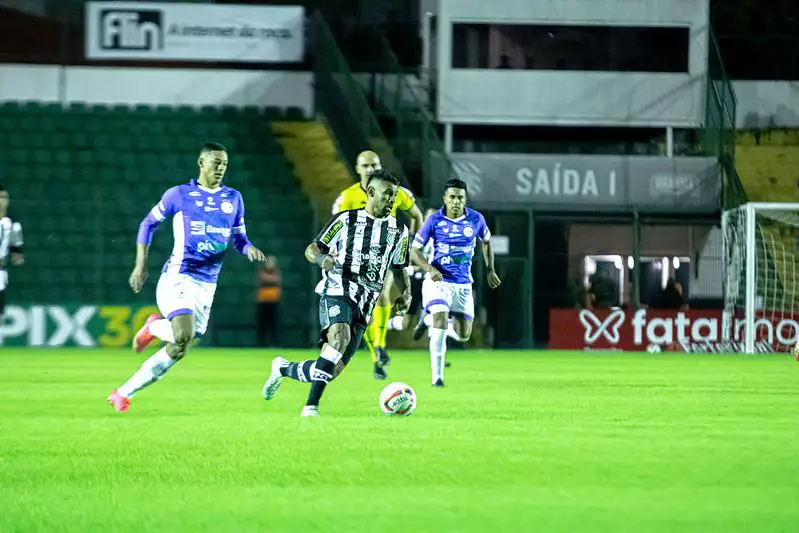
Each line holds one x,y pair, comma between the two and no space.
143,337
272,383
380,372
419,328
310,410
439,383
382,356
119,402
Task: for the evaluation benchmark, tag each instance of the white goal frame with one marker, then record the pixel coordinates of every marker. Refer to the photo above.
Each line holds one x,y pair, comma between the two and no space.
750,211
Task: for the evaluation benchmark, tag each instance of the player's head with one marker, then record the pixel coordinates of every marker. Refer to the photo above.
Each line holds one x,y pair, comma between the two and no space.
455,197
381,191
367,162
213,165
3,200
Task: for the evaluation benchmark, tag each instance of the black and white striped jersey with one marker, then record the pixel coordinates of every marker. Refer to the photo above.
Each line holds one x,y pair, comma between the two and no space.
10,241
364,248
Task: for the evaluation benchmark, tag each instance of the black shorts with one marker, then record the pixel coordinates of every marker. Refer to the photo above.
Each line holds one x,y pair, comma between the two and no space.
340,310
416,295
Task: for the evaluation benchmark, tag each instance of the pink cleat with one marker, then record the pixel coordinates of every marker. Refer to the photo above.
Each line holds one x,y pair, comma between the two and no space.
119,402
143,337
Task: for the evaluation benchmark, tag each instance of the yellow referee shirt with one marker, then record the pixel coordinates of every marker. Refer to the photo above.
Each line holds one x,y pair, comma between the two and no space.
354,197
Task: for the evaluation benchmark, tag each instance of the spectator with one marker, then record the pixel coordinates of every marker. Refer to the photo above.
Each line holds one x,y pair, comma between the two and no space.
671,297
267,296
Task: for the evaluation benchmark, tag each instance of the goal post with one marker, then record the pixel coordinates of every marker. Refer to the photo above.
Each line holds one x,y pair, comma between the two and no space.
761,276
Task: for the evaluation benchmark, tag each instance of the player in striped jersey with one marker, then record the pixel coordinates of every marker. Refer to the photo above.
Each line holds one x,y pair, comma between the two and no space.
354,197
10,250
355,251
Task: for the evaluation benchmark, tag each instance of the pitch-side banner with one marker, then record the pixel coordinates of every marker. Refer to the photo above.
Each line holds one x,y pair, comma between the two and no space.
574,182
194,32
695,330
108,326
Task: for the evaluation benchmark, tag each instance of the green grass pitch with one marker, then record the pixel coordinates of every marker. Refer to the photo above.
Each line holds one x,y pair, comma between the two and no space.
518,441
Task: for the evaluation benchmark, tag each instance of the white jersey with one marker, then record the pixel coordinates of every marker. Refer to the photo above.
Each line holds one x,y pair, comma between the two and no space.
10,240
364,248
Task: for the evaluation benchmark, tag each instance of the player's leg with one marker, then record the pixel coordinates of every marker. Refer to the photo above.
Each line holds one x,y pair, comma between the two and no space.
157,327
379,325
336,315
2,312
462,312
437,298
180,308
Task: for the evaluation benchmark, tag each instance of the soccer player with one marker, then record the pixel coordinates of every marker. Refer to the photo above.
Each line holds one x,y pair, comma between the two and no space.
355,197
205,215
355,251
10,250
447,289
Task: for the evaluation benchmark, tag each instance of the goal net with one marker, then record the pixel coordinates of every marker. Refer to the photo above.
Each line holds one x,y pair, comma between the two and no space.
761,278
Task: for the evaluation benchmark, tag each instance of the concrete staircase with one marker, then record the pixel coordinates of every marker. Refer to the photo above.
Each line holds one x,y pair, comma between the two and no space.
322,172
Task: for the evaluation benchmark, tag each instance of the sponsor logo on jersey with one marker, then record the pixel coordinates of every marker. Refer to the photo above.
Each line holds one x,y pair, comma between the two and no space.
327,238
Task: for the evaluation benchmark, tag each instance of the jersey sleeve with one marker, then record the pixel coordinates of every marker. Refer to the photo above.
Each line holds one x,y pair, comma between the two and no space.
425,233
484,234
240,240
16,241
166,207
400,257
332,232
405,199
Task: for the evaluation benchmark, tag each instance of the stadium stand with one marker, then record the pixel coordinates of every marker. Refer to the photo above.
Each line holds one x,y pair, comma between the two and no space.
81,178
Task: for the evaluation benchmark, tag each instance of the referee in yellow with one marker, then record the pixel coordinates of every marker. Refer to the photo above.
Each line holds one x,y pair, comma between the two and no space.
354,197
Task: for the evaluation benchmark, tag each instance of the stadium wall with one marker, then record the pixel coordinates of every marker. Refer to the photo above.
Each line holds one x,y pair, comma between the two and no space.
495,96
154,86
763,104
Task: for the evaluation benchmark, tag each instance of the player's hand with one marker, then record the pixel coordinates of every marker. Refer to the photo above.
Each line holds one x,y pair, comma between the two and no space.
327,263
17,259
493,279
435,274
254,254
137,279
403,303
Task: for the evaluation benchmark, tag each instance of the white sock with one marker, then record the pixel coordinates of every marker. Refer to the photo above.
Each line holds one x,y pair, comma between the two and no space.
438,350
396,323
163,330
428,320
151,371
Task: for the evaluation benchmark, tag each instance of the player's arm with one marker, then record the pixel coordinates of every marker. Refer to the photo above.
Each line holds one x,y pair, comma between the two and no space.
488,257
399,261
340,204
318,251
240,240
407,203
166,207
417,254
15,245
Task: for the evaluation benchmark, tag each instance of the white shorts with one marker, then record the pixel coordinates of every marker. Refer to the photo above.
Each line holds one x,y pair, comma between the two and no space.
444,297
179,294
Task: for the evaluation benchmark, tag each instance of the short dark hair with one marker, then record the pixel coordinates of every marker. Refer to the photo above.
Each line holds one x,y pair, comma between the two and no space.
212,147
383,175
455,183
2,188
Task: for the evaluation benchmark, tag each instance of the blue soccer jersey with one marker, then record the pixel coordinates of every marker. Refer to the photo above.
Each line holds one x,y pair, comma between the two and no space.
203,222
453,242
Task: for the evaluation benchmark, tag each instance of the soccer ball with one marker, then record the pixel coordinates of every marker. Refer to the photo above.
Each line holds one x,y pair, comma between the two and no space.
653,348
397,399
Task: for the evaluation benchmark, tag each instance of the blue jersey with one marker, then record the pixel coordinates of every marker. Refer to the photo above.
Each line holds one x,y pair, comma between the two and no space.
203,222
453,242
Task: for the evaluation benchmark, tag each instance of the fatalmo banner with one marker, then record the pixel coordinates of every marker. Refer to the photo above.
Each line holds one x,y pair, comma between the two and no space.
194,32
695,330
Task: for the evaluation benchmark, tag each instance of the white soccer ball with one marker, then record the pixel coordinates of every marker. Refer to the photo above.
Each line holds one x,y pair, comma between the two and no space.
653,348
397,399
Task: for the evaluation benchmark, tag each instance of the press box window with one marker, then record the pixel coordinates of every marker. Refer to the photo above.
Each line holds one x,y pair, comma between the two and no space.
583,48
